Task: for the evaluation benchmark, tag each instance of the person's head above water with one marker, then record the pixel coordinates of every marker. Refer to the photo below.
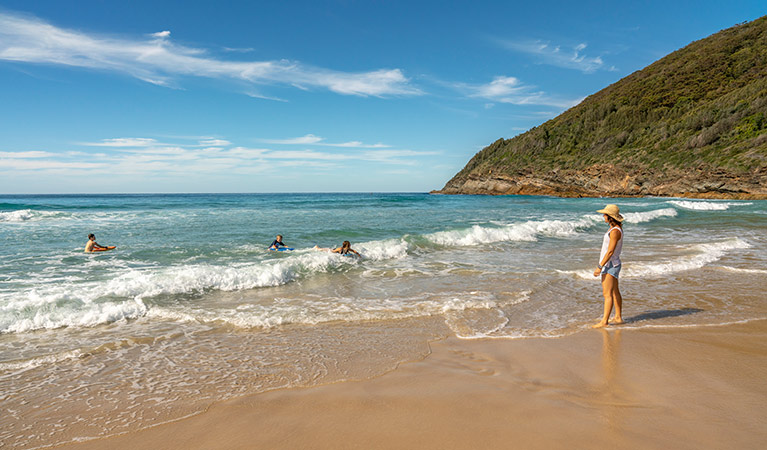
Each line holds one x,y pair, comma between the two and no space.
91,236
346,247
279,238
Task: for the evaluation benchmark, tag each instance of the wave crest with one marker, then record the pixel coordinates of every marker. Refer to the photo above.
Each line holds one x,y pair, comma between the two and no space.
705,205
705,254
530,231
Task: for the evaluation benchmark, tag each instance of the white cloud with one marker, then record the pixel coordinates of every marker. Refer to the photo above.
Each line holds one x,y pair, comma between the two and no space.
357,144
238,50
26,164
308,164
510,90
501,86
215,142
25,155
166,153
159,61
204,156
247,153
399,157
254,94
122,142
303,140
305,154
554,55
311,139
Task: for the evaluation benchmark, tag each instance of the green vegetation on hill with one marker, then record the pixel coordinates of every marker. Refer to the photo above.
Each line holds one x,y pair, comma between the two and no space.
701,107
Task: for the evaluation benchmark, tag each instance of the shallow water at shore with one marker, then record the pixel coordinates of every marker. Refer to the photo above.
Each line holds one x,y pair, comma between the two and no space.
191,308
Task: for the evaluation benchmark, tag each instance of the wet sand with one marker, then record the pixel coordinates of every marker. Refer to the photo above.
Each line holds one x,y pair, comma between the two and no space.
652,388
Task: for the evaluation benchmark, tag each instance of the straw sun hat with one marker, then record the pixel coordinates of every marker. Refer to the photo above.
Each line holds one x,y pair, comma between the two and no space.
612,211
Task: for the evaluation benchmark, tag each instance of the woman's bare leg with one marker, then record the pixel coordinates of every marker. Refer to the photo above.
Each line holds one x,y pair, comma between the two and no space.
607,287
618,303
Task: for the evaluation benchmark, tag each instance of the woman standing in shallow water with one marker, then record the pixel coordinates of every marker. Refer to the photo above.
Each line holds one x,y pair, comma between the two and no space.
610,265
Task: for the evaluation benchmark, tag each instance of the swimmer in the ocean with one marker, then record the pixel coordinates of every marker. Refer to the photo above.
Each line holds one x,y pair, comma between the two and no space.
344,249
92,245
277,243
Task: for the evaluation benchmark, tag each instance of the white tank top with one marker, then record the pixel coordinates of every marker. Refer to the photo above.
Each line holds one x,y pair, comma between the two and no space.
616,258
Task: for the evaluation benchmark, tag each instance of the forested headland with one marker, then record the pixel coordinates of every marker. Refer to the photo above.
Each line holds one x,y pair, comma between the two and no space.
693,123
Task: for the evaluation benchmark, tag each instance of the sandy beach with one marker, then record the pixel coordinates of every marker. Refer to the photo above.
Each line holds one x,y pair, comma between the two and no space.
696,388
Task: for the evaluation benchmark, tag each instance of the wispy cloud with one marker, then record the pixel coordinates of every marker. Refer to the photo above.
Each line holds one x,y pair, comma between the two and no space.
303,140
26,155
305,154
505,89
148,142
238,50
311,139
215,142
255,94
556,55
122,142
355,144
159,61
146,156
161,34
19,164
398,157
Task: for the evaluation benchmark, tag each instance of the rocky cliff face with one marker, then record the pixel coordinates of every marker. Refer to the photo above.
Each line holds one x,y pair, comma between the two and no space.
607,180
693,124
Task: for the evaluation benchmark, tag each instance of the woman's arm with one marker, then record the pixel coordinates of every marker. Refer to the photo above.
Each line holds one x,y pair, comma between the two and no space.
615,235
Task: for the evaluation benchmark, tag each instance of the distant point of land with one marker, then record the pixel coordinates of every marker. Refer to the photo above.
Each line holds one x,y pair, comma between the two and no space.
693,124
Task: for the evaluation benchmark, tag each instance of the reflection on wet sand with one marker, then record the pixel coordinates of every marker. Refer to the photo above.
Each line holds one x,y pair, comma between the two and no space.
614,392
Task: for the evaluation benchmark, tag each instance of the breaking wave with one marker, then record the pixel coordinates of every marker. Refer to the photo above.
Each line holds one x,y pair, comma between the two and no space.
703,254
530,231
705,205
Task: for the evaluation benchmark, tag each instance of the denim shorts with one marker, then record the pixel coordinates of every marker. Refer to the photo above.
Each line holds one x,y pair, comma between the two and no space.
610,269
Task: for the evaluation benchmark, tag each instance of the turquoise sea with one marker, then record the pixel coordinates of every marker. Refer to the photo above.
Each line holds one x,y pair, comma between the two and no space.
191,307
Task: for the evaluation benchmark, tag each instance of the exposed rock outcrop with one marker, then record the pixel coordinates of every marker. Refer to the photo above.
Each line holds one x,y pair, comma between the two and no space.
606,180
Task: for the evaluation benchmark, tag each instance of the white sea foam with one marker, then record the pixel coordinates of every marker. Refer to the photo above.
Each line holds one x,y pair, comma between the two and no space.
526,231
705,205
743,270
530,231
67,316
21,215
703,254
81,305
29,215
17,366
648,216
383,250
634,325
313,311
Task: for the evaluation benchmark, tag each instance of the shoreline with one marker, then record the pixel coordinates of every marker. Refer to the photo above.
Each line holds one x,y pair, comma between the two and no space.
697,387
608,180
574,194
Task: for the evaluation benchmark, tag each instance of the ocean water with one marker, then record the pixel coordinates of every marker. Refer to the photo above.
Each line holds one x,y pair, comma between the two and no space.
191,307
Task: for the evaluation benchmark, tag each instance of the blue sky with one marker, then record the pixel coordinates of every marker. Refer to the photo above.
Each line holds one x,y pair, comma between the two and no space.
315,96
